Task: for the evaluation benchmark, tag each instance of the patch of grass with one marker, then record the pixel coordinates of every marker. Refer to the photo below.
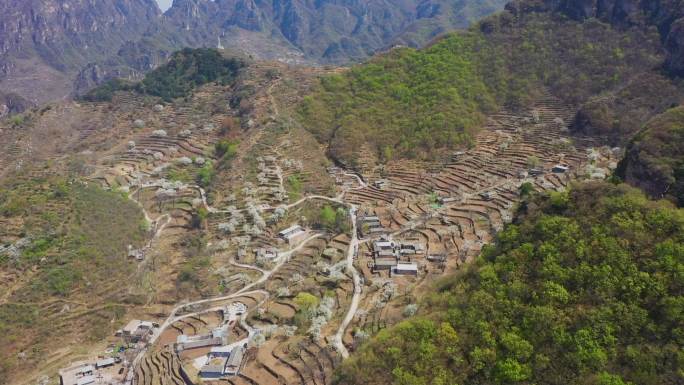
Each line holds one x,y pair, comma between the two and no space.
293,185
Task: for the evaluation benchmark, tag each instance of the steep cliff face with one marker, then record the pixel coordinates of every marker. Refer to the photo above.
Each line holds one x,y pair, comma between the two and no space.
655,158
12,104
674,43
43,43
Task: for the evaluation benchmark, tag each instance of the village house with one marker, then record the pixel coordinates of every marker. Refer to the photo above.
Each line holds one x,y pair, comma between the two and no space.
535,171
293,234
436,258
79,374
138,254
214,367
411,248
384,263
560,168
380,184
235,361
136,330
404,268
266,252
370,225
186,342
385,254
446,200
106,362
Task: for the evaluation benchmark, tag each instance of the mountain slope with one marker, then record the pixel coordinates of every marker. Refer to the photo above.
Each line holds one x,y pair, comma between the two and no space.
329,31
43,44
585,289
77,44
421,104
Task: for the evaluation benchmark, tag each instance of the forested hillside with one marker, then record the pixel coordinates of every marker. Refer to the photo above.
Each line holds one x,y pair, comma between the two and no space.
413,104
186,70
585,288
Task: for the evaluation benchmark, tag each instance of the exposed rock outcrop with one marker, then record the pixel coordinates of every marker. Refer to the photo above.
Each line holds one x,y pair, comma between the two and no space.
655,158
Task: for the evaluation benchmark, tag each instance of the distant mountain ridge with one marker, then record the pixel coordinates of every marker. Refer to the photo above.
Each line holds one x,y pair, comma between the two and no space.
50,49
44,42
330,30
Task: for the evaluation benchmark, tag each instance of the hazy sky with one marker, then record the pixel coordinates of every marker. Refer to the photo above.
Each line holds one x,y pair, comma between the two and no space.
164,4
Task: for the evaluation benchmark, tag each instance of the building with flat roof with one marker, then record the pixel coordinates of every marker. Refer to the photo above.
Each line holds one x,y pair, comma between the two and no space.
266,252
235,361
136,330
384,263
214,367
411,248
403,268
186,342
78,374
293,234
106,362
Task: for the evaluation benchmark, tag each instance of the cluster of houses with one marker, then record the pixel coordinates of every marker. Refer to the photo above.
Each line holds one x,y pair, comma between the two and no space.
387,255
224,358
108,369
86,373
223,361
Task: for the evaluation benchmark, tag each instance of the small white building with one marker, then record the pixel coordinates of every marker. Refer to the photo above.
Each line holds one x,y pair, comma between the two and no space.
106,362
560,168
214,367
411,248
293,234
136,330
78,374
266,252
403,268
234,361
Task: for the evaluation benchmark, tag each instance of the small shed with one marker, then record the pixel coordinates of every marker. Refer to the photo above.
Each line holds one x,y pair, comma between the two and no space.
106,362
